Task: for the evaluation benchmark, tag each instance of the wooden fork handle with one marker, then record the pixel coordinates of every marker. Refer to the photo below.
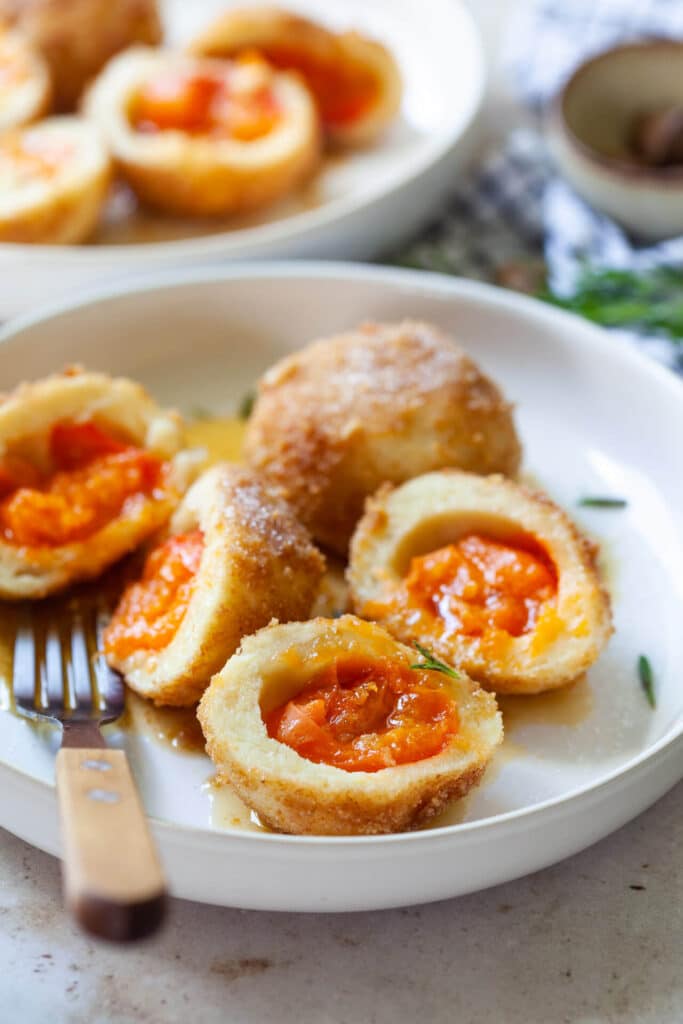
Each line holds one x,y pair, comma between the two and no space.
113,882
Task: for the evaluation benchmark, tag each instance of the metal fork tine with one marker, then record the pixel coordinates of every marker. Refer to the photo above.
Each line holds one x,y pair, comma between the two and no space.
58,668
26,680
109,682
56,682
79,664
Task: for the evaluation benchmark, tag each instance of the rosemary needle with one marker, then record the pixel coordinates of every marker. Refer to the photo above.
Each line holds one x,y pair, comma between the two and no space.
647,680
433,664
597,501
246,405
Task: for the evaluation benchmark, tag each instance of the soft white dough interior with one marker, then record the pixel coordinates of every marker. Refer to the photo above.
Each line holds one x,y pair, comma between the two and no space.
436,532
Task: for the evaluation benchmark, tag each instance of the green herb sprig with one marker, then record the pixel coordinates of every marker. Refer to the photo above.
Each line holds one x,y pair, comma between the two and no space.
433,664
651,300
246,406
647,681
598,501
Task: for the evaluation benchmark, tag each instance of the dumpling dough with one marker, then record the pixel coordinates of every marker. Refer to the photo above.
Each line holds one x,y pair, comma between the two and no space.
77,37
252,562
385,402
54,177
24,82
292,793
63,516
491,577
204,137
355,80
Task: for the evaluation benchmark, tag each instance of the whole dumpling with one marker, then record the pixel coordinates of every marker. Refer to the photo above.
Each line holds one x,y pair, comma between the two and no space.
382,403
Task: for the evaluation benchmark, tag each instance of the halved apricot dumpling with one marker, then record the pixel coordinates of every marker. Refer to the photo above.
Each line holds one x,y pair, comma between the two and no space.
493,578
204,137
355,80
325,727
233,560
90,466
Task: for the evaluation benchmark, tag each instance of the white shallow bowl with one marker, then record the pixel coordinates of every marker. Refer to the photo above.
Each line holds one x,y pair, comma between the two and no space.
595,418
590,128
359,205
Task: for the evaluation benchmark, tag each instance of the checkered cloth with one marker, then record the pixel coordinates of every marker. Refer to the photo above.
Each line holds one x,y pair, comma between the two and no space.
513,207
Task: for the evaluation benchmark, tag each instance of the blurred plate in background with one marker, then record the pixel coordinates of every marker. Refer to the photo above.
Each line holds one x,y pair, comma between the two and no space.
358,205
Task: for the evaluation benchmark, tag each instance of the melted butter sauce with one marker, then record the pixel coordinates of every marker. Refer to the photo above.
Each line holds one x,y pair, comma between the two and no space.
568,706
174,727
222,437
8,625
226,810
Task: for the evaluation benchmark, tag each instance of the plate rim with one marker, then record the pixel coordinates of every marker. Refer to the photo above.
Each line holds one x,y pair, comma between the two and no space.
429,283
298,225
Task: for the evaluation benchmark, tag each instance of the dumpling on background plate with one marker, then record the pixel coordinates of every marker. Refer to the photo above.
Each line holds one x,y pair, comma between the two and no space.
354,79
25,89
204,137
54,177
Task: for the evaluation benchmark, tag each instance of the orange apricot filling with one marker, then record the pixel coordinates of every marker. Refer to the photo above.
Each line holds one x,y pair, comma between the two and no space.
344,90
203,104
93,477
151,610
33,156
478,586
363,715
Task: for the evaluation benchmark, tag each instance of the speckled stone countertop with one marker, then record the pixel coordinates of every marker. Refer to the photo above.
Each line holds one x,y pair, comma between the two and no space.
594,940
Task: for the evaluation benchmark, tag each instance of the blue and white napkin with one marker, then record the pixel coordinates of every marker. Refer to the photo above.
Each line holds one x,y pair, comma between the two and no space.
513,206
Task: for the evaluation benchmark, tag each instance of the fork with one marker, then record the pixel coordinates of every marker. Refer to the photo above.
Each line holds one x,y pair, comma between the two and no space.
112,878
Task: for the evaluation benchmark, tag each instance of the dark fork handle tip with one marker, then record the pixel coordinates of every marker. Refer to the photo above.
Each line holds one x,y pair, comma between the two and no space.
119,922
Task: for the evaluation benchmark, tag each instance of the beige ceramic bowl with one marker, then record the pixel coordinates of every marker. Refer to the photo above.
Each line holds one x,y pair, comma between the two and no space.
591,127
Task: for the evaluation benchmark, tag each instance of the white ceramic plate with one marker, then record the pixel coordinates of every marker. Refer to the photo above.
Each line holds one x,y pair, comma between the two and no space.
595,417
358,206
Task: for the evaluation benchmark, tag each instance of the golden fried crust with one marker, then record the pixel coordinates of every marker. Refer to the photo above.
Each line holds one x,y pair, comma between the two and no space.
78,37
204,175
258,28
385,402
258,563
26,418
25,90
430,511
61,205
292,794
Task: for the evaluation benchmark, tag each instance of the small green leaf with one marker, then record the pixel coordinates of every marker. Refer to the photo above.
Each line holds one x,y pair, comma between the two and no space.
647,680
597,501
433,664
647,300
246,405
